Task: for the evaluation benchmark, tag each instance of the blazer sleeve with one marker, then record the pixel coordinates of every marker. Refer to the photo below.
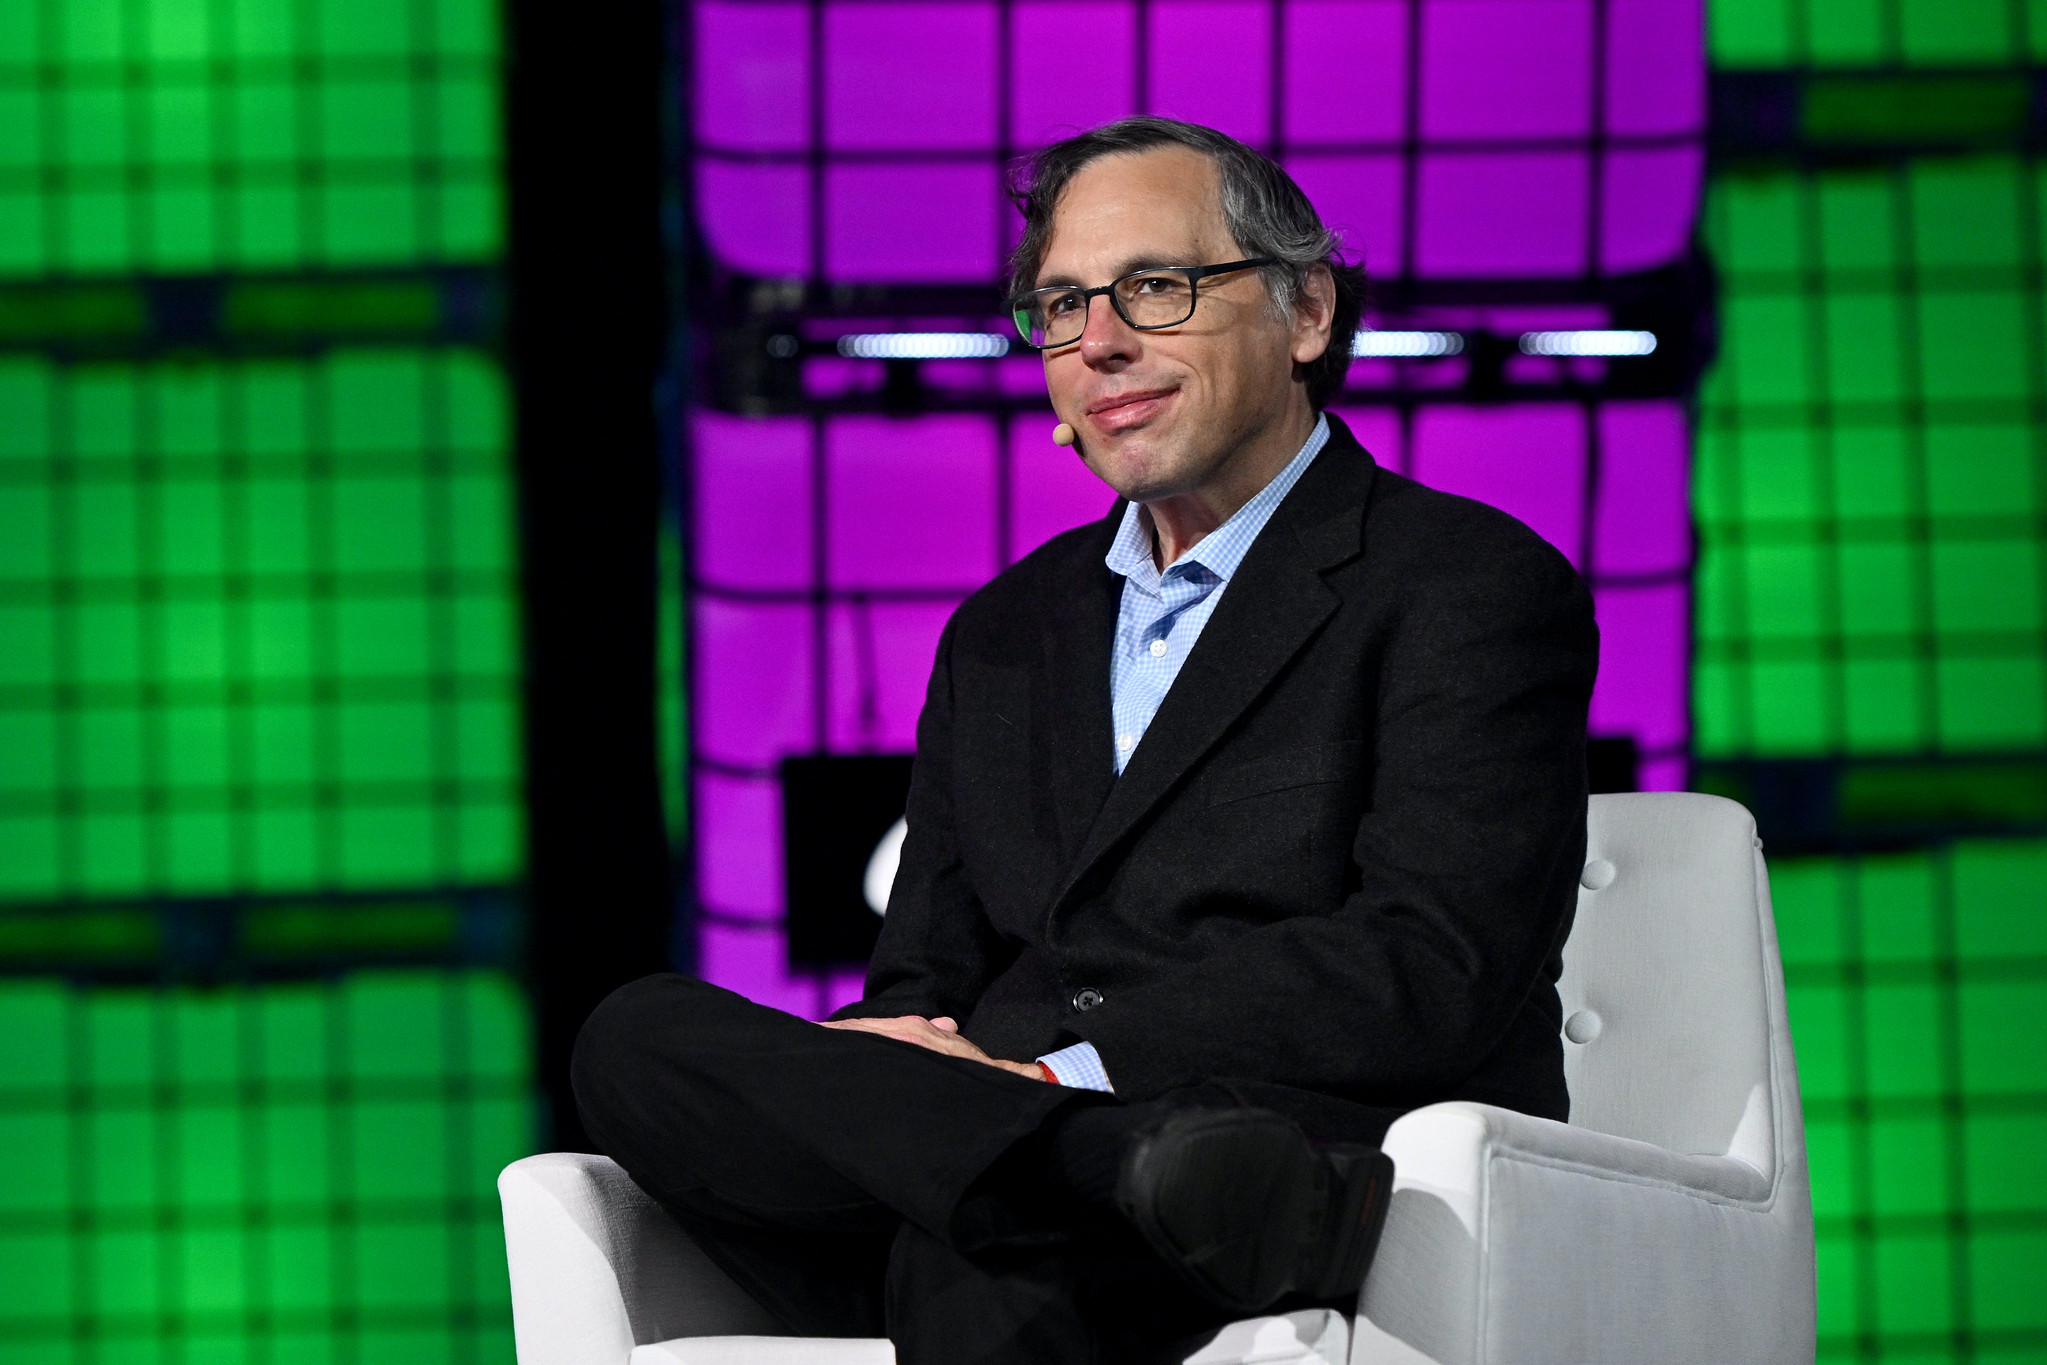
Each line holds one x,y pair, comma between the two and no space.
1466,865
937,950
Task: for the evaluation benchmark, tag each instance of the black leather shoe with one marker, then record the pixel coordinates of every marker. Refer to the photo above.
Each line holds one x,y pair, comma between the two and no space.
1245,1209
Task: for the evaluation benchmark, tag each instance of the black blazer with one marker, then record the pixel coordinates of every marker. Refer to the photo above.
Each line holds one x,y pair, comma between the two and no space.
1337,872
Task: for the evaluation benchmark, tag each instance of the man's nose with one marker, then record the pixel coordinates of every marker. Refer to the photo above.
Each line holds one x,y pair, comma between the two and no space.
1107,339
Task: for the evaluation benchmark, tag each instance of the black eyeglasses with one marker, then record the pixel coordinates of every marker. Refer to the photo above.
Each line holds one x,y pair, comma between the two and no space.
1146,299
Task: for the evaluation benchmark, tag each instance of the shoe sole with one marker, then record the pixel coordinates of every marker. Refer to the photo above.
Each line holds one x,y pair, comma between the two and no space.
1366,1174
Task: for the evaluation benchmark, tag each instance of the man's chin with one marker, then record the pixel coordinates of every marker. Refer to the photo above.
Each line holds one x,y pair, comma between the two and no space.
1139,466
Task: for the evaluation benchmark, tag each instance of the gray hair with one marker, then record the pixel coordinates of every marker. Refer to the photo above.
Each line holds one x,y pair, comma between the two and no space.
1262,206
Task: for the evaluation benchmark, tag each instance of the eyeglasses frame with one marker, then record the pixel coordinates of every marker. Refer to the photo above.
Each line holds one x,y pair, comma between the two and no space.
1194,273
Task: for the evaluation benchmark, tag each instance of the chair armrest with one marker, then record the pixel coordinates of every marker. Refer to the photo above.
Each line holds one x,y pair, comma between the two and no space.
597,1267
1441,1146
1512,1238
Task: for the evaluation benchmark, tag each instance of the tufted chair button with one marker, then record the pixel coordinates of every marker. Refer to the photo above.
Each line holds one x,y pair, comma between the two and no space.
1583,1026
1597,876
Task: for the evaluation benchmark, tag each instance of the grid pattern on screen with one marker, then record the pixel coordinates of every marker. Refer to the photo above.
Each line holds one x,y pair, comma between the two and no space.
1876,33
298,1172
1405,120
257,683
830,547
1918,992
256,627
1871,493
233,135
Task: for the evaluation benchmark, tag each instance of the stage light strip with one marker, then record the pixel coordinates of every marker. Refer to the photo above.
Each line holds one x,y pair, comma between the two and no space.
1411,344
924,345
1394,345
1588,343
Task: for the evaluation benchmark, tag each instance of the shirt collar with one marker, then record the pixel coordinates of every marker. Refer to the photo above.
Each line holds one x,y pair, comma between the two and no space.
1224,548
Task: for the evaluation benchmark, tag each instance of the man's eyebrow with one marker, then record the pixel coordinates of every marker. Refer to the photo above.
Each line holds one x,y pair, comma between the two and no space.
1150,260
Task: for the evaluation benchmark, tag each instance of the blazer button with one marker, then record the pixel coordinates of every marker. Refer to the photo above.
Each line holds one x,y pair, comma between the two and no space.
1086,998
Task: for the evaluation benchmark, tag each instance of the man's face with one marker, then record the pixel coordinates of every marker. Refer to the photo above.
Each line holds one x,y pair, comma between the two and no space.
1160,413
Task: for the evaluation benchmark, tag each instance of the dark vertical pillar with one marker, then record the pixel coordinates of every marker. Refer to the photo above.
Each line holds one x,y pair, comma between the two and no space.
587,330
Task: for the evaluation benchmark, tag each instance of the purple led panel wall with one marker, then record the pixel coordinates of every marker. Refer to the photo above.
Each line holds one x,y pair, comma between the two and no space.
860,142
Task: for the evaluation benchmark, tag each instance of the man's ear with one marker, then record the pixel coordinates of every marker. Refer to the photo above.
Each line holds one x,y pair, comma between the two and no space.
1314,310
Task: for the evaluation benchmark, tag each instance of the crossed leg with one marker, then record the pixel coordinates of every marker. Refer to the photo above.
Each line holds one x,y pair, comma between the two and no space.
856,1185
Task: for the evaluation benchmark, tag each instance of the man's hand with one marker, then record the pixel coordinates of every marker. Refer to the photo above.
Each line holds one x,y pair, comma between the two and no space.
940,1035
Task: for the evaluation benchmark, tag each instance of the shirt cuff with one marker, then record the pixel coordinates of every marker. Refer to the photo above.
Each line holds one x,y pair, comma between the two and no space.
1079,1066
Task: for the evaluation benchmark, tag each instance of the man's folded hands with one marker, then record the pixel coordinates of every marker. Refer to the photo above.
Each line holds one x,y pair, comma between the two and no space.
940,1035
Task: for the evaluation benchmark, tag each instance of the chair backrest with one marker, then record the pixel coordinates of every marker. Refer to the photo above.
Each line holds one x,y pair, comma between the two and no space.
1674,1024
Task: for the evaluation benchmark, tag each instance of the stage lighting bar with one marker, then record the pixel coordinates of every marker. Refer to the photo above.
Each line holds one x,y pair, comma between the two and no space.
1375,344
924,345
1416,345
1477,362
1589,342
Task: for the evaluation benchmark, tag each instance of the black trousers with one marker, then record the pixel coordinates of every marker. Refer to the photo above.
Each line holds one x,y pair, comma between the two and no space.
860,1186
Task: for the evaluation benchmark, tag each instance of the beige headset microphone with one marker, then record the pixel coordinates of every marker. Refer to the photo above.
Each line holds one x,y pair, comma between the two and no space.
1064,435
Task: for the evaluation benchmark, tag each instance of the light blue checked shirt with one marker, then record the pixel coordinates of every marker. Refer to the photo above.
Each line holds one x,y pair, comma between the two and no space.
1160,619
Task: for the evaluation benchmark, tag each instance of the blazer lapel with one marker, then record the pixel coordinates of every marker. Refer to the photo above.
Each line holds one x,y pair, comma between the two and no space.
1273,606
1076,633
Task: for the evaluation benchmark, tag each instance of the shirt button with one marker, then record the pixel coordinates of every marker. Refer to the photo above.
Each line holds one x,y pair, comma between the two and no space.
1086,998
1126,742
1158,649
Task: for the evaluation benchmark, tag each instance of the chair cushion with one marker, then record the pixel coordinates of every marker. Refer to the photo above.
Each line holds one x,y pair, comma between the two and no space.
766,1351
1317,1336
1313,1336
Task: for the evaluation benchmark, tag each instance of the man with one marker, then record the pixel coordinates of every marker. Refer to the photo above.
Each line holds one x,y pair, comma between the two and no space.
1251,815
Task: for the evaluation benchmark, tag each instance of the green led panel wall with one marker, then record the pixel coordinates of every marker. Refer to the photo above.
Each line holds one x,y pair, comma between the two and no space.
1918,993
1871,501
1870,486
160,136
256,627
1876,33
297,1173
258,684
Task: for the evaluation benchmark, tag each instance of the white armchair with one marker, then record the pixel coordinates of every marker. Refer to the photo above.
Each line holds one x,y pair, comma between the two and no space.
1669,1222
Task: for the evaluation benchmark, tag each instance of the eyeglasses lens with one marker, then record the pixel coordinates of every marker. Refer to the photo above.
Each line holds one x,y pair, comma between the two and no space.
1156,298
1052,317
1152,298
